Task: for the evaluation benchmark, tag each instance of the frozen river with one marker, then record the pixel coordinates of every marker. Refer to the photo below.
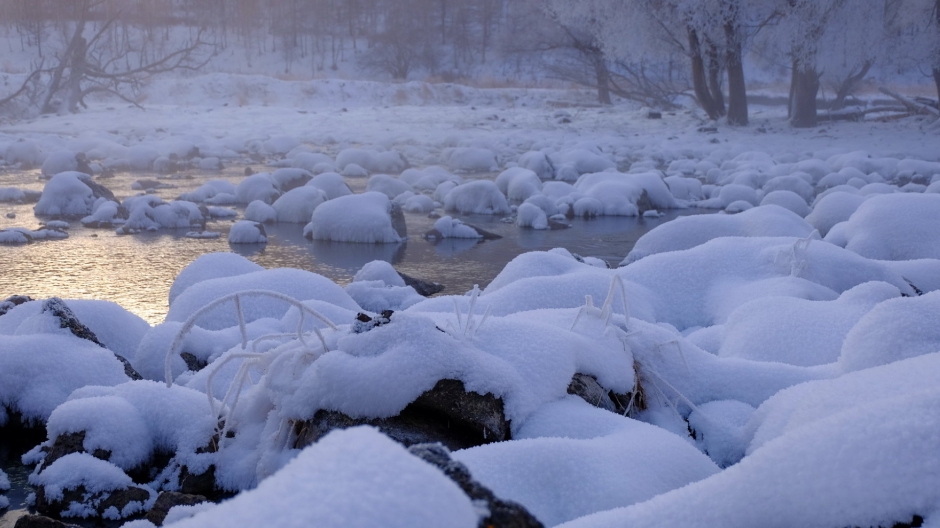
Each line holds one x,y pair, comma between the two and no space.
136,271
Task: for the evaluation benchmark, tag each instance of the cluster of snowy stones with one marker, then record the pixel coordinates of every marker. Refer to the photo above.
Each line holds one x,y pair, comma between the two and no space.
772,367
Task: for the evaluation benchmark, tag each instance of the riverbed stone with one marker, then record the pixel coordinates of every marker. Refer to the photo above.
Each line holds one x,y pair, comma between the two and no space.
67,319
40,521
169,499
447,414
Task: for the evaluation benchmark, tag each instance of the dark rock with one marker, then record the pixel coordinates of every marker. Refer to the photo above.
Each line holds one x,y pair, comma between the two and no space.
65,445
503,514
39,521
192,362
447,414
98,190
588,389
12,302
146,185
364,323
119,499
708,129
67,319
169,499
398,220
424,288
201,484
917,291
643,203
654,115
555,225
83,165
249,171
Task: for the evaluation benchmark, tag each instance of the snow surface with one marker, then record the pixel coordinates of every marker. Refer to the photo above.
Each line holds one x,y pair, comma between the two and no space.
350,478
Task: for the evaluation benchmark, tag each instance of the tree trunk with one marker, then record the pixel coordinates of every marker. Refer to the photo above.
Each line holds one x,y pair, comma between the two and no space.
936,80
737,90
714,79
603,78
848,86
803,91
699,80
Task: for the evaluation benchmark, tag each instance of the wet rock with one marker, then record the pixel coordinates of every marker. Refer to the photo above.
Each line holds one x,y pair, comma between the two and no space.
447,414
98,190
65,445
169,499
198,484
644,204
424,288
67,319
398,220
12,302
654,115
39,521
192,362
588,389
502,513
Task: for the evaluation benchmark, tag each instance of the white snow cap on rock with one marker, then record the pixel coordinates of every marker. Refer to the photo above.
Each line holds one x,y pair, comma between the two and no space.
364,218
66,194
247,232
353,478
900,226
476,197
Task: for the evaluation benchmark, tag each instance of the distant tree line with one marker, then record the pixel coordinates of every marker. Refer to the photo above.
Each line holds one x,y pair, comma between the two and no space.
651,51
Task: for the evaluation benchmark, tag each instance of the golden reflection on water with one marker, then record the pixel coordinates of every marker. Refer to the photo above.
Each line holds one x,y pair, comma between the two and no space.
136,271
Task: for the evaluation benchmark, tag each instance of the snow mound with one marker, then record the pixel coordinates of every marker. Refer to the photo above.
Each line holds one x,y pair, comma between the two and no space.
358,478
477,197
788,200
366,218
258,211
297,205
211,266
894,330
470,160
66,194
832,209
449,227
594,459
518,183
247,232
388,185
150,213
331,183
259,186
391,162
898,226
531,215
798,331
691,231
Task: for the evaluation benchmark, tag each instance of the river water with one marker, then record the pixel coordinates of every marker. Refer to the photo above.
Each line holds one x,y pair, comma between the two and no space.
136,271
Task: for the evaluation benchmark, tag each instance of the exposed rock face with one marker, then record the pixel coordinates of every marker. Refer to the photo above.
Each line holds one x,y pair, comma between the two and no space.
502,514
169,499
67,319
447,414
424,288
98,190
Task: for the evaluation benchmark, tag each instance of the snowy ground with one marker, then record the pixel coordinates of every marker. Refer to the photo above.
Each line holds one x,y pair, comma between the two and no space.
778,358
